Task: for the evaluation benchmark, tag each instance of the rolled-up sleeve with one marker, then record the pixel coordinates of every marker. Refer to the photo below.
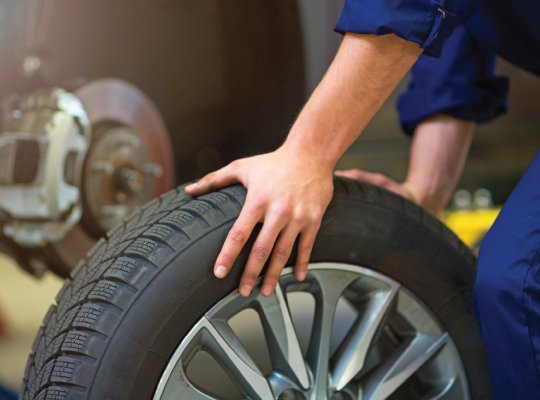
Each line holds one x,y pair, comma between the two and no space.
461,83
426,22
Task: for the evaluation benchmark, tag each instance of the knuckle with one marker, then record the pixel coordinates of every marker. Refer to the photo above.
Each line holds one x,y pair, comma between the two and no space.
237,236
234,164
299,215
380,179
317,216
355,173
249,276
283,210
260,252
282,254
314,217
271,278
208,177
258,204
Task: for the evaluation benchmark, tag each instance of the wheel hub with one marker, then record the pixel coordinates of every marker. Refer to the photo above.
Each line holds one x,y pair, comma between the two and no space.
119,176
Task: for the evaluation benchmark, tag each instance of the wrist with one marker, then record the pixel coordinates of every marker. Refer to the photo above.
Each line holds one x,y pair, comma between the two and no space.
317,137
431,197
412,193
306,150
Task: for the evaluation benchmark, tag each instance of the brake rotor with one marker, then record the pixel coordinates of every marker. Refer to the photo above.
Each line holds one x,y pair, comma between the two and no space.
129,162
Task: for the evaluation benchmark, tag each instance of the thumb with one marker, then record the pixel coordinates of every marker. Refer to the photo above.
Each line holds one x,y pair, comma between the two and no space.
213,181
350,173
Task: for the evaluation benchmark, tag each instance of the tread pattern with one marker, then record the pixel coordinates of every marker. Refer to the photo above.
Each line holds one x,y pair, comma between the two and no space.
92,302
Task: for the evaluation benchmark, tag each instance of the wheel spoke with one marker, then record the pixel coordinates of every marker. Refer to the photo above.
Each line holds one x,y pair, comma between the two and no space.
284,347
371,362
331,287
402,365
220,341
179,387
445,392
351,355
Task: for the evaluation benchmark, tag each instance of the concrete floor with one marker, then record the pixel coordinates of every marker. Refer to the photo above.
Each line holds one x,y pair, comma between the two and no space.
24,300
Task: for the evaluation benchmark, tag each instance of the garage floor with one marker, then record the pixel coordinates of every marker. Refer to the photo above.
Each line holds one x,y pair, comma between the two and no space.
24,301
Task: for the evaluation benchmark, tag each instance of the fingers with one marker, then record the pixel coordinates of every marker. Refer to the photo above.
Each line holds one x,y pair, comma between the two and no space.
280,256
260,252
283,250
305,247
287,210
369,177
223,177
236,239
349,173
275,241
403,189
359,175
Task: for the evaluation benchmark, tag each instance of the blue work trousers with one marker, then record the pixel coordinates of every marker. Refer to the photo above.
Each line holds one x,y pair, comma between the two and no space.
507,292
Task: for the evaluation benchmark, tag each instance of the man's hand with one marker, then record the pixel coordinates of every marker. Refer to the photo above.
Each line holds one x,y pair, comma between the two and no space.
289,195
402,189
438,152
290,188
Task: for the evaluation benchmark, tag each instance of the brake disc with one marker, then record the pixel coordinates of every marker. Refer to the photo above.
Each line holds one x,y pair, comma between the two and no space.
129,162
105,152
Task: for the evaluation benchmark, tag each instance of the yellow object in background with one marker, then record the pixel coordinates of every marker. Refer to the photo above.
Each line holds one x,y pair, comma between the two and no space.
471,225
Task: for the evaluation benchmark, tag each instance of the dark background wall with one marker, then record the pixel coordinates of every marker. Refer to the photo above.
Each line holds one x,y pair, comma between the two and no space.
230,77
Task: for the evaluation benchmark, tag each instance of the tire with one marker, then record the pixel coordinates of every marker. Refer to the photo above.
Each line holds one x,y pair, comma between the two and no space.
126,308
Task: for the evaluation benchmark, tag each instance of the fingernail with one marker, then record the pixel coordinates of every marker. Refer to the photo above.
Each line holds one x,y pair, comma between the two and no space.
220,271
267,290
245,290
191,186
301,275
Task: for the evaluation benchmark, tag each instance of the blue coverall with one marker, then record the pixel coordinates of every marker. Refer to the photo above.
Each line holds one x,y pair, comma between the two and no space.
455,76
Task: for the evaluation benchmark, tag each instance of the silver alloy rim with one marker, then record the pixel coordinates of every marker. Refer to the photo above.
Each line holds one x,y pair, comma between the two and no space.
370,339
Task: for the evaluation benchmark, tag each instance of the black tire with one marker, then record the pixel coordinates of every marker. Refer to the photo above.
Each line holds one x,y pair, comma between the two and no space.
128,305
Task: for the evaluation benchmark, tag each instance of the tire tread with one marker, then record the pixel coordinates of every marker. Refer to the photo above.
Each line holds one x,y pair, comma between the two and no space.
92,302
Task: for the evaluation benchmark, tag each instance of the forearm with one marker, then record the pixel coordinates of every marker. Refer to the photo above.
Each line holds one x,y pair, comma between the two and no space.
364,73
437,157
290,188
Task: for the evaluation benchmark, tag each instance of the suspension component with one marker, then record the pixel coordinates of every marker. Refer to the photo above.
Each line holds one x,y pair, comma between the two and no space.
43,143
73,164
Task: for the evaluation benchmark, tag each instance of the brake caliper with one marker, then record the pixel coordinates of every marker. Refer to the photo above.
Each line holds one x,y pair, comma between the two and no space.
43,142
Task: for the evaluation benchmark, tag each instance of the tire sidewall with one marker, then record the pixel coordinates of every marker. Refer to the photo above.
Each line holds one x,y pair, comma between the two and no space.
354,232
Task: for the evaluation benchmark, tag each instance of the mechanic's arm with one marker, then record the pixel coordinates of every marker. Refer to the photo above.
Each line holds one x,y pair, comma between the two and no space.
290,188
437,156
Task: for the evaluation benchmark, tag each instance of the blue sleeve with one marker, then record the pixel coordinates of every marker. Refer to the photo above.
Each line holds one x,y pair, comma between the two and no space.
426,22
460,83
